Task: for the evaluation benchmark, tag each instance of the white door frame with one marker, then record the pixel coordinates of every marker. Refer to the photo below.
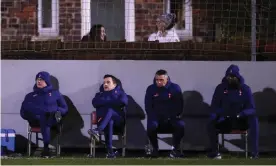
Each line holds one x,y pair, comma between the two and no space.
129,19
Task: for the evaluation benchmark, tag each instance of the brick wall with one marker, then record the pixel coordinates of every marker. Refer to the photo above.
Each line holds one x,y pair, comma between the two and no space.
18,19
146,12
70,19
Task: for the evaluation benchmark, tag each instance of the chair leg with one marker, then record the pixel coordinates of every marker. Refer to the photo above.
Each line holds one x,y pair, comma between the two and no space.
29,143
36,139
181,146
246,145
91,146
124,145
218,143
222,141
58,146
59,140
94,148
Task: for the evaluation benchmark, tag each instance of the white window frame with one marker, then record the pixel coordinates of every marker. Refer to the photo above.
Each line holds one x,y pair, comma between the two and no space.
187,32
129,19
54,30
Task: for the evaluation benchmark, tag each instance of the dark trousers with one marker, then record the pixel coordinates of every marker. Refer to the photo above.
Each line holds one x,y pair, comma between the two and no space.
229,124
107,122
45,122
176,126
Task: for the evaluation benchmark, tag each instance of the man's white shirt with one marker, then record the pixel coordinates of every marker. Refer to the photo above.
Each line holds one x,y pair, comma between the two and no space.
170,36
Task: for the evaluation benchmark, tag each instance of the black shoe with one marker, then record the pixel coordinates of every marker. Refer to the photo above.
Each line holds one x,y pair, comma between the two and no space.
175,154
214,155
155,153
94,133
45,153
254,157
58,116
112,154
148,150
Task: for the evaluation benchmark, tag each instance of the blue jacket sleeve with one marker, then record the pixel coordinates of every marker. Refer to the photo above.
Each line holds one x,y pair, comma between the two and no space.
23,110
62,106
101,100
216,102
178,100
121,101
249,107
98,100
148,101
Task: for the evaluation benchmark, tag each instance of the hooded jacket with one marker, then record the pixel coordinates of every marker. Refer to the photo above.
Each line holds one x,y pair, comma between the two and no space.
43,100
233,102
115,99
163,102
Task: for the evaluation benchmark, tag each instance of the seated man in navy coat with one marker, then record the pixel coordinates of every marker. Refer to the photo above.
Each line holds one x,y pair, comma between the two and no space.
233,108
110,105
163,105
44,107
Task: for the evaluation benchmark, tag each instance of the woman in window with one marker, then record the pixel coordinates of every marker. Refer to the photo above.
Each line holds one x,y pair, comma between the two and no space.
97,33
165,31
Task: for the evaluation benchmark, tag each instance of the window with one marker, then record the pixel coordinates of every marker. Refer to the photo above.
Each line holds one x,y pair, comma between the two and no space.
183,11
48,17
117,16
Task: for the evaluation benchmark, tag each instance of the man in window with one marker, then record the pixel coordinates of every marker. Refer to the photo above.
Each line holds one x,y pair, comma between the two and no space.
44,108
110,105
233,108
165,32
163,105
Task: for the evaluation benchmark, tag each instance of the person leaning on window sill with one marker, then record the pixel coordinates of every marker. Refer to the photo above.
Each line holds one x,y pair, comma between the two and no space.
96,34
166,32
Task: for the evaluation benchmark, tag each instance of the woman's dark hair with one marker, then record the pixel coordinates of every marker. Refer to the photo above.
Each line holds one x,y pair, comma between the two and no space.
95,33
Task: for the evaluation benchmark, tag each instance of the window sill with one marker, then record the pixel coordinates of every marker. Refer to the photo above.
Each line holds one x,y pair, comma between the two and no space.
47,38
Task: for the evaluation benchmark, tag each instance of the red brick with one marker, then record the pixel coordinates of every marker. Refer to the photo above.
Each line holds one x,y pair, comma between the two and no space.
77,26
65,15
77,4
13,20
18,14
69,4
7,3
4,21
4,9
75,32
4,38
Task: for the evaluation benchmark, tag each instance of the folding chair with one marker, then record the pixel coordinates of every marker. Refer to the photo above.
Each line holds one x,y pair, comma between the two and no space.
37,130
242,132
121,133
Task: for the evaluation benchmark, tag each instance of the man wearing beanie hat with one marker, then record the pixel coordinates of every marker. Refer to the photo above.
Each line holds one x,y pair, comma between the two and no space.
233,108
165,31
43,107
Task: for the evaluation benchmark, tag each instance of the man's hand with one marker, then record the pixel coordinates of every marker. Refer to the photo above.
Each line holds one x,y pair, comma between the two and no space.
58,116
